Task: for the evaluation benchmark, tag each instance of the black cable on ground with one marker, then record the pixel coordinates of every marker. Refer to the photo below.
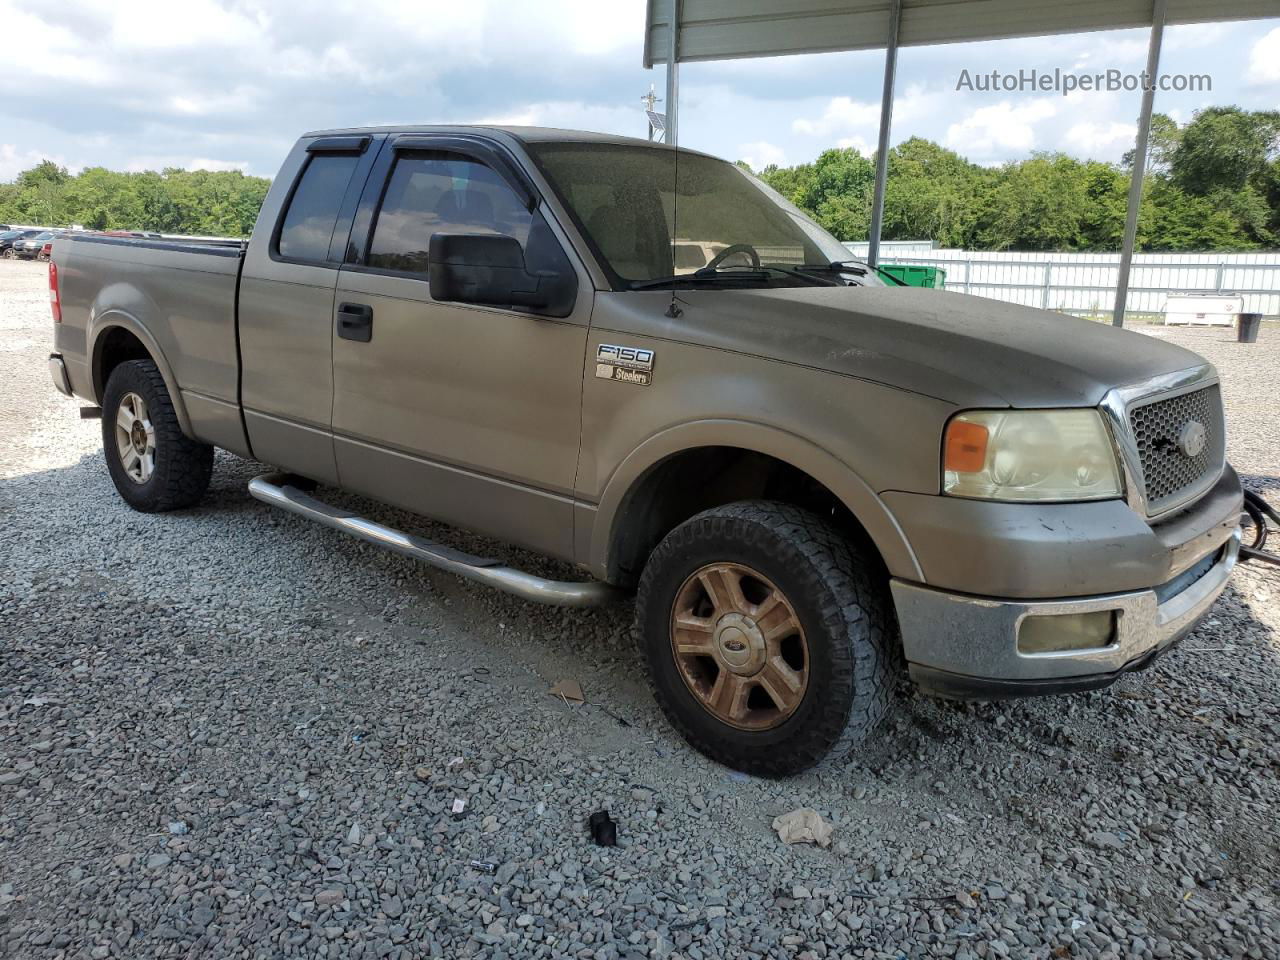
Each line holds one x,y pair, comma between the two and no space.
1259,511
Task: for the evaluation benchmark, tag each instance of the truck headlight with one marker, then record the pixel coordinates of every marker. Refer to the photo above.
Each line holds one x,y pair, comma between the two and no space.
1030,455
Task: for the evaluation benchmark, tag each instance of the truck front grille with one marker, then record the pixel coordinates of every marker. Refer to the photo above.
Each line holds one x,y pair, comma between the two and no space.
1160,430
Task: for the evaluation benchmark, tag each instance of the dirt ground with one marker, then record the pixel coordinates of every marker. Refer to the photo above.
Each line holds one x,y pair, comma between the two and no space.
227,733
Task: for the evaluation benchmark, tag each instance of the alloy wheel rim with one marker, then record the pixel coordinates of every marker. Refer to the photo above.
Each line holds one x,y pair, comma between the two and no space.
135,438
739,646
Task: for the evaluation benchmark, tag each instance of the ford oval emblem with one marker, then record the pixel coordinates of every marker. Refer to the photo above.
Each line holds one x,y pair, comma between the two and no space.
1191,440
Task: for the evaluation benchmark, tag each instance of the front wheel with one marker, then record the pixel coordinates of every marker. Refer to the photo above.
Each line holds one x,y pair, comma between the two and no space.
154,465
767,636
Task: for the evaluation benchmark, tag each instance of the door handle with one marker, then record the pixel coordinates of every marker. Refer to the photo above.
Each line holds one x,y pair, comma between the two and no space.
355,322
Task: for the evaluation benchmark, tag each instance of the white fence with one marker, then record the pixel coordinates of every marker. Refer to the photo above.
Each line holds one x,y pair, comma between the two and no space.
1085,283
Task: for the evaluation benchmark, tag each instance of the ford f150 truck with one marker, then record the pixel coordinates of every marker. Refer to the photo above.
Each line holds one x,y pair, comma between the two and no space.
648,364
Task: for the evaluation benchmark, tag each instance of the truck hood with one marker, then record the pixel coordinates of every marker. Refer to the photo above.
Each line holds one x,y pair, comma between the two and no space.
964,349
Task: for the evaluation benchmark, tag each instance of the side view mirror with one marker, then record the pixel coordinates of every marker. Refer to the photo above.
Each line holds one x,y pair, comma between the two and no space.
490,269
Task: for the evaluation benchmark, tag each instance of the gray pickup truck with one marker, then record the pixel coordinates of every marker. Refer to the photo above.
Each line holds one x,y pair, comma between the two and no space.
646,363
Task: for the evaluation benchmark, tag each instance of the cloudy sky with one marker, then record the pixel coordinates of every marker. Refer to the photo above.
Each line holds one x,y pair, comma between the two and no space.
224,84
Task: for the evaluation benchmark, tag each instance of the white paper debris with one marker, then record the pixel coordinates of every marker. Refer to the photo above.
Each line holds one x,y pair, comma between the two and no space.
803,826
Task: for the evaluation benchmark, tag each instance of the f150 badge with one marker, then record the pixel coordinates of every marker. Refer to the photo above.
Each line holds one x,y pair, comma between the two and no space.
624,364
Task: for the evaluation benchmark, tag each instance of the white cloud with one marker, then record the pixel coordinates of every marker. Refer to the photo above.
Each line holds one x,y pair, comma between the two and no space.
1195,36
205,163
236,101
13,161
1093,138
570,114
856,123
163,25
163,162
861,144
36,48
149,83
591,27
1264,59
842,114
760,153
1002,127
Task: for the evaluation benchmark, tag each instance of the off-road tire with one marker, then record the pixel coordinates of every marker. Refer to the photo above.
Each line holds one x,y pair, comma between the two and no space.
182,466
840,599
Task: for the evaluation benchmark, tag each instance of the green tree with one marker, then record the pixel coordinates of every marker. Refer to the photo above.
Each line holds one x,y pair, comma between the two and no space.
839,193
221,203
1176,220
932,192
1041,204
1162,144
1225,148
1106,191
791,182
1212,184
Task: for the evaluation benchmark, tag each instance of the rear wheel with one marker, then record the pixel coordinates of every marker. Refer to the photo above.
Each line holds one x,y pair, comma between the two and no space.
155,467
767,637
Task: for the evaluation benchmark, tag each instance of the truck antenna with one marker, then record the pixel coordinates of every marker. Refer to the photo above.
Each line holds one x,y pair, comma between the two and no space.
673,308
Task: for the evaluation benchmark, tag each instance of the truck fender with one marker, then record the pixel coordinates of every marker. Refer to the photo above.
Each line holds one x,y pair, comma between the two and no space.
838,477
99,325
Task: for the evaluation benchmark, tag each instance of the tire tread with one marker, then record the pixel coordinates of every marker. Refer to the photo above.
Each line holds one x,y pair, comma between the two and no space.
854,608
183,466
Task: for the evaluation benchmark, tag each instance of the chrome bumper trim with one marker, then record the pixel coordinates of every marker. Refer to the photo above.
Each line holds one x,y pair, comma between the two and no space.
978,636
276,490
58,371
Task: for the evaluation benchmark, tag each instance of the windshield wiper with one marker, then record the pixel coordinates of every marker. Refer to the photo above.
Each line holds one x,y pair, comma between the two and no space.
804,272
856,267
704,275
716,274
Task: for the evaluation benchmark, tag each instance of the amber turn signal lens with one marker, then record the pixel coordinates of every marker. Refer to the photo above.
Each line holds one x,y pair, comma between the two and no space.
965,450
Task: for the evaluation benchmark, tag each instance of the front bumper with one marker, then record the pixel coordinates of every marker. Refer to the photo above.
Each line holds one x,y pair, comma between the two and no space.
966,646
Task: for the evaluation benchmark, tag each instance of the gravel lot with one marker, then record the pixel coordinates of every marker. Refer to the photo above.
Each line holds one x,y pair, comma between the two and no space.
228,733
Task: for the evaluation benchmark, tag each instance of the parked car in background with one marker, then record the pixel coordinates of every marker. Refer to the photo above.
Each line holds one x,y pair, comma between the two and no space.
30,248
9,237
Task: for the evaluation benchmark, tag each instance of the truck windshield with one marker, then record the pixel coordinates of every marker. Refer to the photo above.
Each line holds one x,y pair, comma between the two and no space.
722,222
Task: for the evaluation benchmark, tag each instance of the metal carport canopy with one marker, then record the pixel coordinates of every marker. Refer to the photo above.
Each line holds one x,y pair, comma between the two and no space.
733,29
730,29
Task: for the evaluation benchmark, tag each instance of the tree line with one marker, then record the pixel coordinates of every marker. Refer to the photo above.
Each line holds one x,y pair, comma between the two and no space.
1211,184
220,203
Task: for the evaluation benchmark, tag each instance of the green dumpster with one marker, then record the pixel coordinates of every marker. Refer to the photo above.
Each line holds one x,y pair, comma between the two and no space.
916,276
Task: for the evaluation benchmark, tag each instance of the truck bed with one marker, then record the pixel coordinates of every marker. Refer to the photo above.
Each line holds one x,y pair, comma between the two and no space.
177,295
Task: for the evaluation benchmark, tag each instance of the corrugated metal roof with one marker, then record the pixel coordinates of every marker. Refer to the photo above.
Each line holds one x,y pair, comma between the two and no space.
727,29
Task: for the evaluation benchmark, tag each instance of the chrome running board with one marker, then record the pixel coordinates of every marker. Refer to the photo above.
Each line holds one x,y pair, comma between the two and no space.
277,490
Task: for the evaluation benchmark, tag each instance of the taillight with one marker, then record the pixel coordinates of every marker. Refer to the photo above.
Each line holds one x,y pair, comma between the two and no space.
54,304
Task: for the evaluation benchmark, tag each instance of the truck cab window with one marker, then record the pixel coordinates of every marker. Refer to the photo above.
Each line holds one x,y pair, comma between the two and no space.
437,192
308,224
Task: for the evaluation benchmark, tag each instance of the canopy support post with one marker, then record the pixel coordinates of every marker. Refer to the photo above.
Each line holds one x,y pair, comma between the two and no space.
673,73
1158,13
886,121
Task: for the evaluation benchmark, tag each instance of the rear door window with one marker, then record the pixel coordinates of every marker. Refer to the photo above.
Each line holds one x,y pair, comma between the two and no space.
308,223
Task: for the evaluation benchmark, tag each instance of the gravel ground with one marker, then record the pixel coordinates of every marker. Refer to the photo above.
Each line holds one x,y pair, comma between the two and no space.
229,733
